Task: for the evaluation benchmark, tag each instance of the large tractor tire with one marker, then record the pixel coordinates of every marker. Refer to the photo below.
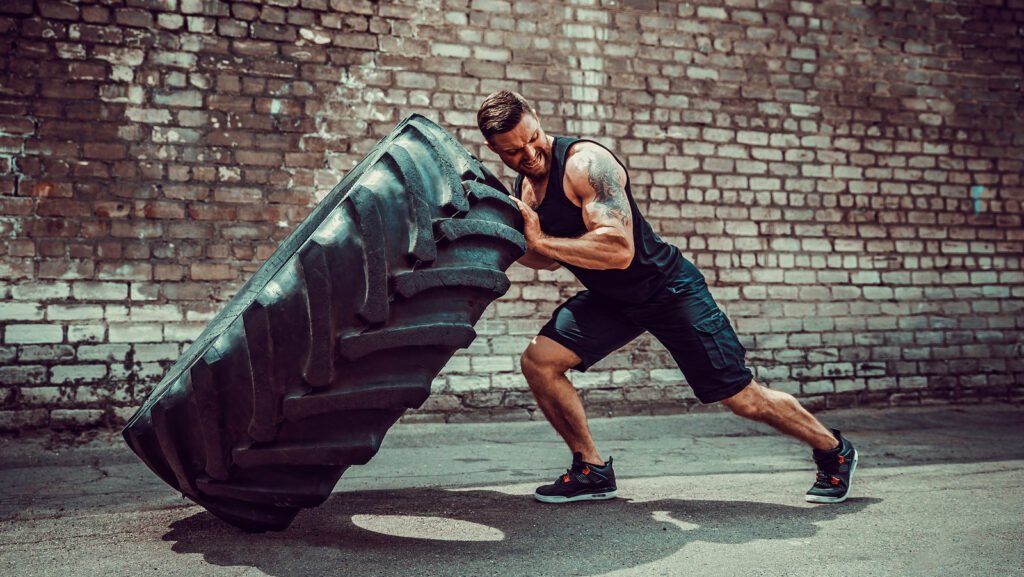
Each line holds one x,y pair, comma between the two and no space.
336,335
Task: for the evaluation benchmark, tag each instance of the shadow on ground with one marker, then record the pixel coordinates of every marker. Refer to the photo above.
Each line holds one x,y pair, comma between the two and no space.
488,533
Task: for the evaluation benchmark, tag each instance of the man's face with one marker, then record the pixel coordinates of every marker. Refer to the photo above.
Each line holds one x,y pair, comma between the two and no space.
525,148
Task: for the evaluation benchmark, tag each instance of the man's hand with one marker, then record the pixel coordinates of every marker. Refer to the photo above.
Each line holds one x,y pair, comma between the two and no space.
533,234
531,224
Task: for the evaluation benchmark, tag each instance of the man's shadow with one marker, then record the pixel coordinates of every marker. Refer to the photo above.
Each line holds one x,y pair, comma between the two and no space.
518,534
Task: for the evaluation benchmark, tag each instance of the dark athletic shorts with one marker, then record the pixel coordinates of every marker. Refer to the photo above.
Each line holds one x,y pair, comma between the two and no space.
683,316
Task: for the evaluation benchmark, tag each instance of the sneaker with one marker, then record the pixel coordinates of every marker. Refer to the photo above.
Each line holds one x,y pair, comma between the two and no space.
835,473
582,482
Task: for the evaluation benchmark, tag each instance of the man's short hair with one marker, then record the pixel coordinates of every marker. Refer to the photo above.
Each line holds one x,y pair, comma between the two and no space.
501,112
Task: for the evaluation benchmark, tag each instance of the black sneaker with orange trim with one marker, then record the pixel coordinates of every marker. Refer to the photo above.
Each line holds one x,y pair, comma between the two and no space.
835,472
582,482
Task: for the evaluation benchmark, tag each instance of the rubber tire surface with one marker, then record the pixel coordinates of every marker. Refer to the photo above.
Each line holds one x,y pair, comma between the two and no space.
336,335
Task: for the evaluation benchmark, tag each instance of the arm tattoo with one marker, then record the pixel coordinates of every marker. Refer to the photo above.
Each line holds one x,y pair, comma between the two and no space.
611,197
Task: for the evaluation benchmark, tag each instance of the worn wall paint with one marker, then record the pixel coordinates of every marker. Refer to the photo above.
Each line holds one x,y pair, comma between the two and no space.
847,175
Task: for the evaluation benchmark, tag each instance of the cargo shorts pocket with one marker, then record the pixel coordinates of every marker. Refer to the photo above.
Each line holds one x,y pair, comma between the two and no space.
720,341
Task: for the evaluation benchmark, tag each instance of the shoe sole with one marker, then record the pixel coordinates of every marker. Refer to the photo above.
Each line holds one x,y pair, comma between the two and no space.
584,497
849,486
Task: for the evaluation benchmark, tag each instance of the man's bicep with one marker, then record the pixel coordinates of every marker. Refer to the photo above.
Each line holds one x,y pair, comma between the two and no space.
599,183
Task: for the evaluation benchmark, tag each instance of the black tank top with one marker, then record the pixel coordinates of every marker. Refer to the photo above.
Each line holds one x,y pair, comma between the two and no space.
655,262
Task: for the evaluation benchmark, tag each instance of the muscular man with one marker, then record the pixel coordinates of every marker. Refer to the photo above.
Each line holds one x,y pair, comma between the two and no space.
579,213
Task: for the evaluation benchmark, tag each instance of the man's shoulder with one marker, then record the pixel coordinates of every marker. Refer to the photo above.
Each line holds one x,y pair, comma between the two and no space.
581,159
582,149
587,157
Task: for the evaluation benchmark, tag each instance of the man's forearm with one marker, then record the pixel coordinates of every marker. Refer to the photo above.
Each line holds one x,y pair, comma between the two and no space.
599,249
536,261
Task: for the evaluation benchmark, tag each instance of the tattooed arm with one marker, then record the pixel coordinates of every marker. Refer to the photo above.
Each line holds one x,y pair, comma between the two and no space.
595,182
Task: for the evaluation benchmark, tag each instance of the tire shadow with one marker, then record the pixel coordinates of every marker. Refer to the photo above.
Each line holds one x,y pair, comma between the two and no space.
519,536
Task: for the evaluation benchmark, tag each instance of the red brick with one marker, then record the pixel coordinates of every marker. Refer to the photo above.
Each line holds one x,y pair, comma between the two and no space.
58,10
65,208
211,271
103,151
168,272
135,229
212,212
60,189
125,271
50,227
160,210
16,206
107,209
96,14
66,269
133,17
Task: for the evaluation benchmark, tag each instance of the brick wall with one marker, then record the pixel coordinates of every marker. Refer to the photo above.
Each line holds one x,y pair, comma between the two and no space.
847,174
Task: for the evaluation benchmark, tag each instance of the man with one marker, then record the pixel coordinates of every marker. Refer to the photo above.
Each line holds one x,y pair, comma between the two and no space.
579,212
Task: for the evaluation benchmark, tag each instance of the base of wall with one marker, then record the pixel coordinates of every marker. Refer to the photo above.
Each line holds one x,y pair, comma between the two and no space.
448,408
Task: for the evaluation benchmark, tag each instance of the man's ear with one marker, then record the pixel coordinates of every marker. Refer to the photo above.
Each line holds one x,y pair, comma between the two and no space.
487,141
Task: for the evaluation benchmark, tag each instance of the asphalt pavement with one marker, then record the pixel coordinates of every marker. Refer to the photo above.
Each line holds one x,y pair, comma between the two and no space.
939,491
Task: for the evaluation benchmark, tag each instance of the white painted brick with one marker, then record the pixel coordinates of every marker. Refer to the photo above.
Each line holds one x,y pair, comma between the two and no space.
200,316
629,377
40,291
492,364
712,13
913,382
117,314
590,379
75,417
161,352
24,419
86,333
41,395
509,381
667,375
74,312
753,138
136,333
450,50
33,334
22,375
78,373
142,291
492,54
148,372
109,353
698,73
463,384
45,353
100,291
458,364
142,313
15,311
182,332
491,328
87,393
509,345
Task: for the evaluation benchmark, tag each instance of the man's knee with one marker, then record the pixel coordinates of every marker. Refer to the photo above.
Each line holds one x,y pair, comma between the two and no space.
541,361
749,403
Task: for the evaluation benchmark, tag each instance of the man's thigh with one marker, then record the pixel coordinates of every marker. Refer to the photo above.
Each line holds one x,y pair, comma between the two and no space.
688,322
591,327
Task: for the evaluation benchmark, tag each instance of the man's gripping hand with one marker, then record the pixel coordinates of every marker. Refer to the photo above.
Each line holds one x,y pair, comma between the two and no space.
533,234
531,223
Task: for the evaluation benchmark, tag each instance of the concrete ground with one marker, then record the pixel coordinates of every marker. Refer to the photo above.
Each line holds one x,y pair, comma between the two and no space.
939,491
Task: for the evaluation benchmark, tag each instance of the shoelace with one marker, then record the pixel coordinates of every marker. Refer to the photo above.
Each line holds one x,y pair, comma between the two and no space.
823,479
570,473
